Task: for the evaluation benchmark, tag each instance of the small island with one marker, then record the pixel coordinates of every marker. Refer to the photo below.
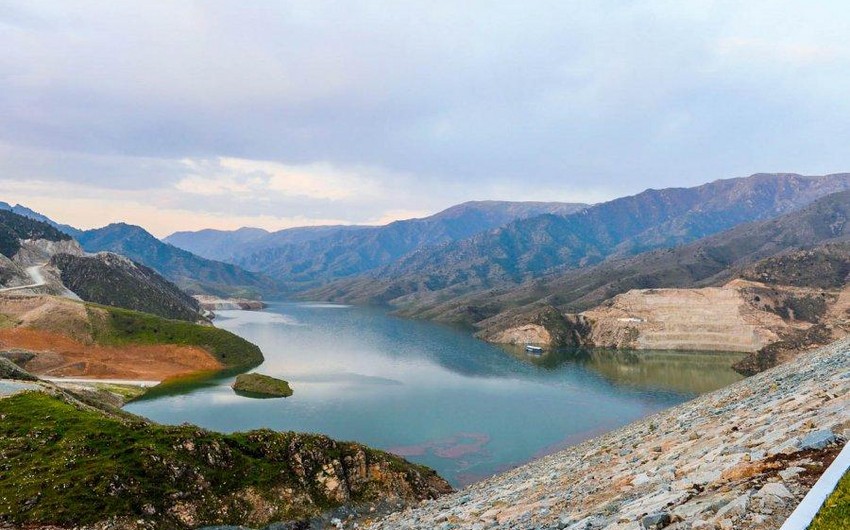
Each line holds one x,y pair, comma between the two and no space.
261,386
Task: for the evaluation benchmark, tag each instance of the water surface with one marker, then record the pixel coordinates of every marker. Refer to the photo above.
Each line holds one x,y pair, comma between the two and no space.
433,393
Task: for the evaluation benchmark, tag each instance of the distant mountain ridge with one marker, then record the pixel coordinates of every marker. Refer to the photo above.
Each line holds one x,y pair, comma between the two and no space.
749,251
310,256
32,214
230,245
190,272
548,244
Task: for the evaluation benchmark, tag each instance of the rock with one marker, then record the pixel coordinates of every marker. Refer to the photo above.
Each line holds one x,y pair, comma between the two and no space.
818,440
776,489
655,520
736,508
791,472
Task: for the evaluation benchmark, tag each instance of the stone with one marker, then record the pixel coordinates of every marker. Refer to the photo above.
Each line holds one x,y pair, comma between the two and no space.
818,440
655,521
791,472
776,489
736,508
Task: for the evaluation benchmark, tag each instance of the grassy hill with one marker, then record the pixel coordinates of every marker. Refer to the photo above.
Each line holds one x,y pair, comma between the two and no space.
68,464
119,327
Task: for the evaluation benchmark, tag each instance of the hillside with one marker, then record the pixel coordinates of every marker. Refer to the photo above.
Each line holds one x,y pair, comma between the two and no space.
14,228
27,212
66,338
709,261
113,280
548,245
67,465
301,258
190,272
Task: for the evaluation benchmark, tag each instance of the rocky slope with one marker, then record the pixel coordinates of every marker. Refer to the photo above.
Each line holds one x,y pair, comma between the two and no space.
192,273
740,457
66,465
213,303
113,280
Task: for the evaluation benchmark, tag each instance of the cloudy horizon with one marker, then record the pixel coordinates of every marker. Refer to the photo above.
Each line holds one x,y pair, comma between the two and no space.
181,116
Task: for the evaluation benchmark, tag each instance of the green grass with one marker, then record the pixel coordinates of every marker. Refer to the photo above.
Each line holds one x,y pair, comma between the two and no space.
121,327
835,512
67,465
261,385
127,392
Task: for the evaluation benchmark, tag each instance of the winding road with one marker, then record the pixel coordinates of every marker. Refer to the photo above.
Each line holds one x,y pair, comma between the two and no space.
34,273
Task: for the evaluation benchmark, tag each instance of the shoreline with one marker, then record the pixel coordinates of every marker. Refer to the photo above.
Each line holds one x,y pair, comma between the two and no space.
739,457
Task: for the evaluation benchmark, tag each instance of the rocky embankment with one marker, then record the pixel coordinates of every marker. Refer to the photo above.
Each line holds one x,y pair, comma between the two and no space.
740,457
769,322
213,303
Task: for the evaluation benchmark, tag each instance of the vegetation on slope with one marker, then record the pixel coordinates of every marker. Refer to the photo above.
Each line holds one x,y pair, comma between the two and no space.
532,248
109,279
709,261
14,227
118,327
304,261
65,464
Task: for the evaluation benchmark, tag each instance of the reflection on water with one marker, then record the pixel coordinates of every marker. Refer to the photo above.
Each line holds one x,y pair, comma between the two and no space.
429,392
691,372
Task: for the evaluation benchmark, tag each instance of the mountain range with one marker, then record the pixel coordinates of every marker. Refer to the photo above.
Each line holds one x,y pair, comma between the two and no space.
488,264
311,256
527,249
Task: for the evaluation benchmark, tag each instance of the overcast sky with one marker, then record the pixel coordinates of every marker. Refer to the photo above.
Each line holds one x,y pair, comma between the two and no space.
184,115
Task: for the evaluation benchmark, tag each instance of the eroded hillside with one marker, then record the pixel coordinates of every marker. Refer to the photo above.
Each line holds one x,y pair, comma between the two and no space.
53,336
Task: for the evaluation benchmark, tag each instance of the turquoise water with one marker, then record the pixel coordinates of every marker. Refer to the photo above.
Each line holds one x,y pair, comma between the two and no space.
432,393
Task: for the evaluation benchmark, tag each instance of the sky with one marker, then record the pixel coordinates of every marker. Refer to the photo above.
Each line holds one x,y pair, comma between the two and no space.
187,115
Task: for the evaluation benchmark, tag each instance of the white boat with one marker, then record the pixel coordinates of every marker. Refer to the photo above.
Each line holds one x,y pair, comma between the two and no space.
530,348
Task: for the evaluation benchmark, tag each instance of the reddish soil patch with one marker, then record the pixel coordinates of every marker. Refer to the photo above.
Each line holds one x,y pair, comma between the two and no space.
61,356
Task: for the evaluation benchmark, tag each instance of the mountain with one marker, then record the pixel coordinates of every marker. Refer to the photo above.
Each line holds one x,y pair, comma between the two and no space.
14,228
113,280
26,212
307,257
807,248
230,245
190,272
546,245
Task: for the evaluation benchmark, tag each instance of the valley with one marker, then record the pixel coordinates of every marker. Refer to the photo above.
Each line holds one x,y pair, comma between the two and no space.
641,305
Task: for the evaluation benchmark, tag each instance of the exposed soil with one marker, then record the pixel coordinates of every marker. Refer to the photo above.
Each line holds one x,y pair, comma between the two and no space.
57,355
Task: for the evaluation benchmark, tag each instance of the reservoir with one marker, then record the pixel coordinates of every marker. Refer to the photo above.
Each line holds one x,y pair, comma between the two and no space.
433,393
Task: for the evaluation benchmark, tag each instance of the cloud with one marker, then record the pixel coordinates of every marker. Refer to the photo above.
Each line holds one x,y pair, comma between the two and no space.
257,178
353,110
